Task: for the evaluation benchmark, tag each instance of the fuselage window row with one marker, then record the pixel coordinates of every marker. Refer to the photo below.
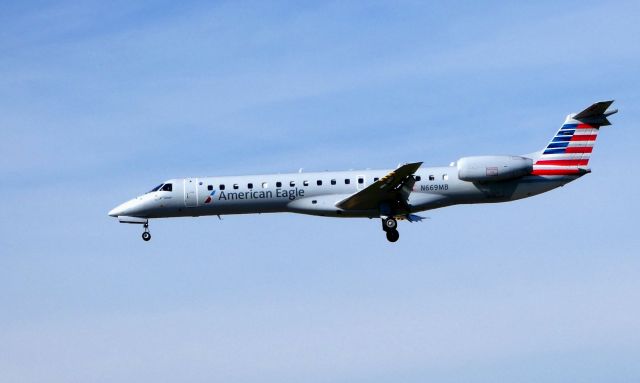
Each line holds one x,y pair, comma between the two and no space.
265,185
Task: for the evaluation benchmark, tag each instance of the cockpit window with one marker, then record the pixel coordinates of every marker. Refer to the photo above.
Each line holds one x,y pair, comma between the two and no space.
167,187
155,189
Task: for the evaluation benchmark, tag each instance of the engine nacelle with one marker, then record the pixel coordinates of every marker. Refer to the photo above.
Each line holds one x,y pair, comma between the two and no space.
493,168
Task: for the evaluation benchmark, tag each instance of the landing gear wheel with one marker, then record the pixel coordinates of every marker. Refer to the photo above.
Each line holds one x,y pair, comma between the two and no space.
389,224
393,235
146,235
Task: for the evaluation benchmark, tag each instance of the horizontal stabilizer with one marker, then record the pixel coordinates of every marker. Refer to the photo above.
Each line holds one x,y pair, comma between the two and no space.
596,114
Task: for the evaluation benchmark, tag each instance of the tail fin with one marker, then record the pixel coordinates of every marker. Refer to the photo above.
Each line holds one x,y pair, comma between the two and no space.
569,151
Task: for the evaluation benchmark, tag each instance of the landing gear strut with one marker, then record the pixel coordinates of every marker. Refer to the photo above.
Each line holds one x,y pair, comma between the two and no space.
146,235
390,225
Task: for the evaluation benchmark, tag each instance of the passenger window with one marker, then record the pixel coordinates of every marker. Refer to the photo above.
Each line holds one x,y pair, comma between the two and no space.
250,185
167,187
319,182
418,178
292,184
278,184
305,183
265,185
445,177
347,181
235,186
432,178
333,182
360,180
210,187
221,186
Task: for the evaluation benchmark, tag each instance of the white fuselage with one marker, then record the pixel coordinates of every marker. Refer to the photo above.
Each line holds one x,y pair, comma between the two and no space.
318,193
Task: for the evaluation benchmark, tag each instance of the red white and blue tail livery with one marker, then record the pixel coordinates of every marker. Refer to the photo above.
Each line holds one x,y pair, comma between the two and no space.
389,194
570,149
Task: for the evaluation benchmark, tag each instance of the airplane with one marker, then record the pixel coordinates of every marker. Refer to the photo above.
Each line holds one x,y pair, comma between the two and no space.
390,195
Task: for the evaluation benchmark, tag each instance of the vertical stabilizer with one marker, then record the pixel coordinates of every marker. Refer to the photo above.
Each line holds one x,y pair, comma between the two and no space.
570,149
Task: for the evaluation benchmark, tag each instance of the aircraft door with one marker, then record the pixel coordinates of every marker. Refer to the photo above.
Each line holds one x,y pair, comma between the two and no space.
190,192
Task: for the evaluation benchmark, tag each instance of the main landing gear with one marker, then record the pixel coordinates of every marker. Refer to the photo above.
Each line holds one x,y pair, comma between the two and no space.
390,226
146,235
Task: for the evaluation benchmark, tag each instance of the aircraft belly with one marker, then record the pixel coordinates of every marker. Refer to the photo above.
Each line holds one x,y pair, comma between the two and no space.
427,201
530,186
325,205
504,191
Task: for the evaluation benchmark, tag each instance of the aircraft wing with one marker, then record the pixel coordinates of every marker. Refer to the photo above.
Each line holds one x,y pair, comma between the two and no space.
394,186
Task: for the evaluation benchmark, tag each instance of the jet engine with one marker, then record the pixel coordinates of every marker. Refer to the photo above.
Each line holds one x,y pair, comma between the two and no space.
493,168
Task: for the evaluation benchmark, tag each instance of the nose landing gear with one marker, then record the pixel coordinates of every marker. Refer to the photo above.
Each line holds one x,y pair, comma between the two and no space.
146,235
390,225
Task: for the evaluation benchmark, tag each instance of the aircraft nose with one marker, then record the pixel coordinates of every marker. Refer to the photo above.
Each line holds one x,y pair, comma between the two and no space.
130,207
124,208
118,210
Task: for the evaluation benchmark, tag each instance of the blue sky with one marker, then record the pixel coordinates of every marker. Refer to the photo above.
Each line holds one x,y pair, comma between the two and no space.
102,101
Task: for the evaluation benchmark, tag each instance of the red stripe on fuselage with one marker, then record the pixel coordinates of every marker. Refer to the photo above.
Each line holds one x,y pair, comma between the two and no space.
554,172
563,162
